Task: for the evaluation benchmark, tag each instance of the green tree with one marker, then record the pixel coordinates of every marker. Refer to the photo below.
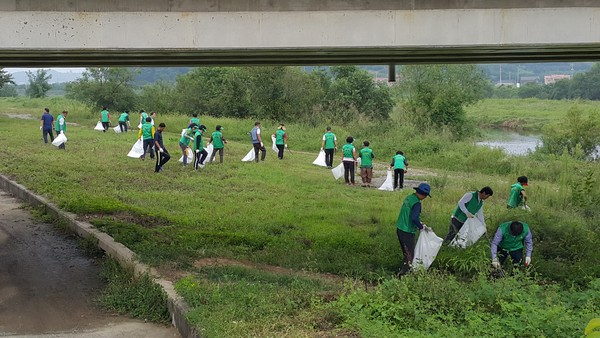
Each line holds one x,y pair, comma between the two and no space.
5,78
157,97
8,91
576,134
560,90
110,87
38,83
587,85
532,90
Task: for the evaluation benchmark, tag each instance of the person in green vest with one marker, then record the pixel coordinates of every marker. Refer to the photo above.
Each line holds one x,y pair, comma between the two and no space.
366,164
147,135
105,119
469,206
409,220
143,117
509,240
218,142
199,152
194,120
329,145
517,197
124,121
280,140
399,165
184,141
349,160
60,126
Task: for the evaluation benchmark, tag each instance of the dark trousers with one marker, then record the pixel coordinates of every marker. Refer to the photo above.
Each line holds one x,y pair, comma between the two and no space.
148,146
453,229
407,243
183,148
45,133
199,158
349,171
214,152
516,256
161,159
399,178
105,126
280,147
123,126
329,157
257,148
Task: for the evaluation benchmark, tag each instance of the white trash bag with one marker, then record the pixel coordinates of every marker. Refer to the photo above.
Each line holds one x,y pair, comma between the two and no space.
117,129
338,171
99,126
190,155
137,150
388,184
427,248
60,139
249,157
469,233
183,131
209,151
275,149
320,161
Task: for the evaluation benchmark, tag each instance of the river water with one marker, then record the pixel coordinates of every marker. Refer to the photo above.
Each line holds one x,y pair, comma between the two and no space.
512,143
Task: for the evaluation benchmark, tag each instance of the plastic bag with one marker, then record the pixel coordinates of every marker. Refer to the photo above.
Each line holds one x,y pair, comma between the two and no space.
60,139
209,150
190,155
338,171
470,233
275,149
427,248
388,184
320,161
117,129
99,126
249,157
183,131
137,150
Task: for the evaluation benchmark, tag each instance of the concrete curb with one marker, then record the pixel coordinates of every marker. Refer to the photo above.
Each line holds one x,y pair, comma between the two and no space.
176,304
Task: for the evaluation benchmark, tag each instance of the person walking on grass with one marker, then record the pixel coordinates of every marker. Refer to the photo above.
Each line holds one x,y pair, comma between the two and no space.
143,117
218,142
399,165
194,120
162,155
349,160
147,135
105,119
257,142
366,164
517,197
409,220
329,145
152,116
46,124
280,140
469,206
184,141
199,152
124,121
511,238
60,126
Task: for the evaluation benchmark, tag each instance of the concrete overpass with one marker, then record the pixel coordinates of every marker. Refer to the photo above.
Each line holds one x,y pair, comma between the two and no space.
46,33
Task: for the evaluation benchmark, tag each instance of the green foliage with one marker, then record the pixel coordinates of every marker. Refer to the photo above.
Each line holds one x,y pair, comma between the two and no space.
575,134
104,87
159,96
38,83
8,91
5,78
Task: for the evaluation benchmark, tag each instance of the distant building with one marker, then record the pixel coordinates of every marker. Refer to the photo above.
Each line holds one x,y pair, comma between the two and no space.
550,79
529,79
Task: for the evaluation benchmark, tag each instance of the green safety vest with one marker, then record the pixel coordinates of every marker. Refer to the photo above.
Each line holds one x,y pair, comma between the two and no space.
197,135
515,199
147,131
404,222
366,155
347,150
217,137
184,139
399,162
510,242
123,117
195,120
144,116
329,140
104,114
57,126
473,206
279,133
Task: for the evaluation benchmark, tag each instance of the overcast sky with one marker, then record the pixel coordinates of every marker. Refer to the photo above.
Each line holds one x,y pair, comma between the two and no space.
63,70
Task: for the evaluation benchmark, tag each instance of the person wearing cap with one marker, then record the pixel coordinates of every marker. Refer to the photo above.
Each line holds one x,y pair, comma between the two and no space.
329,145
280,140
366,164
511,237
194,120
162,155
124,121
146,133
257,142
469,206
199,152
184,141
105,119
399,165
218,142
517,197
349,160
409,220
46,123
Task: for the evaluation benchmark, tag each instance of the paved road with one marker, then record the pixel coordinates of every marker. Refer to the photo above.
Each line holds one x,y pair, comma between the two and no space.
47,284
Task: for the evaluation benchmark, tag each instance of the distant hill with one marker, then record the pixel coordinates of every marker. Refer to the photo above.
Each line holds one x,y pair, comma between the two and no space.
57,77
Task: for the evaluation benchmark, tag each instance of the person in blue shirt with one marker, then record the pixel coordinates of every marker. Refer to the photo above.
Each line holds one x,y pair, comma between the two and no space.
163,155
46,125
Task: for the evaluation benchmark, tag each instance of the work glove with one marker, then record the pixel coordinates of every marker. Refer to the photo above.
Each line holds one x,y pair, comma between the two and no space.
160,150
426,228
470,215
261,145
321,149
527,261
40,127
197,151
62,131
496,263
286,145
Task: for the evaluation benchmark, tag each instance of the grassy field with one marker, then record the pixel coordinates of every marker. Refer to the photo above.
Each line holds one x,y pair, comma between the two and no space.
294,215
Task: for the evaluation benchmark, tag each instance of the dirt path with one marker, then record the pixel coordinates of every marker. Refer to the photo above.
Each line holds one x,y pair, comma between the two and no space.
47,284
